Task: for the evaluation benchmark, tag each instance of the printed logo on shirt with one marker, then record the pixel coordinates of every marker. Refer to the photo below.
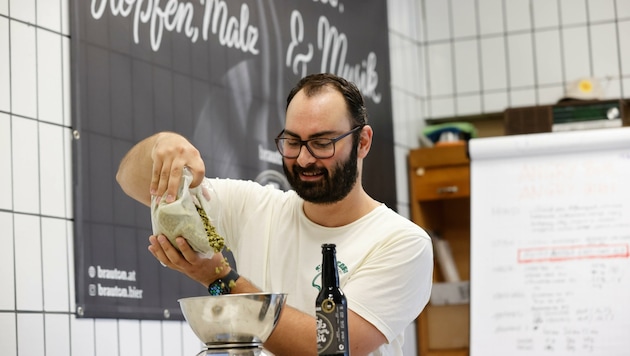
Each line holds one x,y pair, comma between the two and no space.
317,280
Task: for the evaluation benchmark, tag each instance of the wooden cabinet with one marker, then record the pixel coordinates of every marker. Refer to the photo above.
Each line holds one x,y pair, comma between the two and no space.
439,181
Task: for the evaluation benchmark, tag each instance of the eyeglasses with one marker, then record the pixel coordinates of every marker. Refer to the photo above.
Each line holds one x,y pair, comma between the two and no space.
320,148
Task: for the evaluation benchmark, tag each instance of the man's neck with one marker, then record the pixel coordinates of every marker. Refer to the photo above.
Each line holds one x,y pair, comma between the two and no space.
351,208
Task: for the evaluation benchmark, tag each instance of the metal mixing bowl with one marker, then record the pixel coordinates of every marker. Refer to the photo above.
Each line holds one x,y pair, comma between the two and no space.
233,319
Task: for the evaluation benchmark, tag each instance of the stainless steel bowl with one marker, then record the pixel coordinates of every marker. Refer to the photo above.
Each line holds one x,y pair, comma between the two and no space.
233,319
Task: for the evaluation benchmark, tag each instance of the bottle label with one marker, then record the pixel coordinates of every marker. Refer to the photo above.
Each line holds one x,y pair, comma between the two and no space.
331,325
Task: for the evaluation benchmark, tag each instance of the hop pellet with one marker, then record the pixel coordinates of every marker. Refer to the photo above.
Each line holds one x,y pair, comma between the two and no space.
217,242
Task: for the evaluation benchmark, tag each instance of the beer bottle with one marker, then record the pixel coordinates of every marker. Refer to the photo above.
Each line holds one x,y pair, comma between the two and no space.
331,308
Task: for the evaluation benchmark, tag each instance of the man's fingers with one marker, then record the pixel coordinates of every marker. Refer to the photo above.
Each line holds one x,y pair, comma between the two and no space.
198,169
164,180
157,251
168,255
162,156
170,154
189,254
173,180
170,252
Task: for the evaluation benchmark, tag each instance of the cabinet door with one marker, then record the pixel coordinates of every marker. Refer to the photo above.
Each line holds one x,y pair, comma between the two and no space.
439,173
435,183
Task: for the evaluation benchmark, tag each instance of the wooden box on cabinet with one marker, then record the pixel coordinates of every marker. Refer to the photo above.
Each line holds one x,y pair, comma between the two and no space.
439,181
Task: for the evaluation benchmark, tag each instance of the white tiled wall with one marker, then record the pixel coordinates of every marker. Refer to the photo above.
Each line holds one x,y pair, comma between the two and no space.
482,56
448,57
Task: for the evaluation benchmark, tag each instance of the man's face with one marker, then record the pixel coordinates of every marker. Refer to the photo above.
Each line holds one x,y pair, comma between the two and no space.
327,180
333,184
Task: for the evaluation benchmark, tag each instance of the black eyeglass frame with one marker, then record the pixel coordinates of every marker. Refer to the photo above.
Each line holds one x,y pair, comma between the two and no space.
308,147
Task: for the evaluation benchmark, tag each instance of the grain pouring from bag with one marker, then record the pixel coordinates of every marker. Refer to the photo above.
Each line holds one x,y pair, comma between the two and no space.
216,241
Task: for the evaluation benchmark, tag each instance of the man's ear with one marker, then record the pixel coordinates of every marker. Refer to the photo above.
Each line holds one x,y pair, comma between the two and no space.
365,141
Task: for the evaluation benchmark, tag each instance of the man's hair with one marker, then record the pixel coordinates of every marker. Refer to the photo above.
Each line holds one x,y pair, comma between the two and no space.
312,84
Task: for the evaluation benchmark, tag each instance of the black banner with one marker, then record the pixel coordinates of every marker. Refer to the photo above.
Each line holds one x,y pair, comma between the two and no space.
218,72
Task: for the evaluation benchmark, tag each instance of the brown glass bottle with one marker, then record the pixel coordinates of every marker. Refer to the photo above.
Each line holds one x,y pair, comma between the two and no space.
331,308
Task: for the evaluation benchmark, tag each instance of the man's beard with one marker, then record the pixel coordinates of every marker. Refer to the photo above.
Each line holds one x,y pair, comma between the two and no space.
331,188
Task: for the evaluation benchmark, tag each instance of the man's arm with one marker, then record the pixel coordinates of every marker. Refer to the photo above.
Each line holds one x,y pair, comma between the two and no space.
295,333
154,166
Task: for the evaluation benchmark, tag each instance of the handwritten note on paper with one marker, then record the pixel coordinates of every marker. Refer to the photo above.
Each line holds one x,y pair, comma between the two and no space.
550,245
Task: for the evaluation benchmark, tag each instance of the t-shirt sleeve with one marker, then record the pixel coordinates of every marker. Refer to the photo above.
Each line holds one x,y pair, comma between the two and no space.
392,286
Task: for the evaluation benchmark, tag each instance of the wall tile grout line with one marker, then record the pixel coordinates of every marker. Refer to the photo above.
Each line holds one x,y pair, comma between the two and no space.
451,43
562,49
589,39
425,53
519,32
618,41
532,24
67,210
506,52
14,312
482,104
39,176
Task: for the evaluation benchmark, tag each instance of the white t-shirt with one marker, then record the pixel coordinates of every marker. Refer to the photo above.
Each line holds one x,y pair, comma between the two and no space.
385,261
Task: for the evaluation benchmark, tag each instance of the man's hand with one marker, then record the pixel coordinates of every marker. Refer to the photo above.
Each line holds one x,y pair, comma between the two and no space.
155,165
197,267
170,154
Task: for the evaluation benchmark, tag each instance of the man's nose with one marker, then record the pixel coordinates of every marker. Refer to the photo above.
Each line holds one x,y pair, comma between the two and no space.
305,157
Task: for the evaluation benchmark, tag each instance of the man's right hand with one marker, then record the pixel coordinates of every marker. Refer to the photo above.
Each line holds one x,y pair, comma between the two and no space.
154,166
172,152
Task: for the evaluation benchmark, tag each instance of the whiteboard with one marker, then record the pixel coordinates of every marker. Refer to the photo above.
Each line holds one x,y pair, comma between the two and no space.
550,244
